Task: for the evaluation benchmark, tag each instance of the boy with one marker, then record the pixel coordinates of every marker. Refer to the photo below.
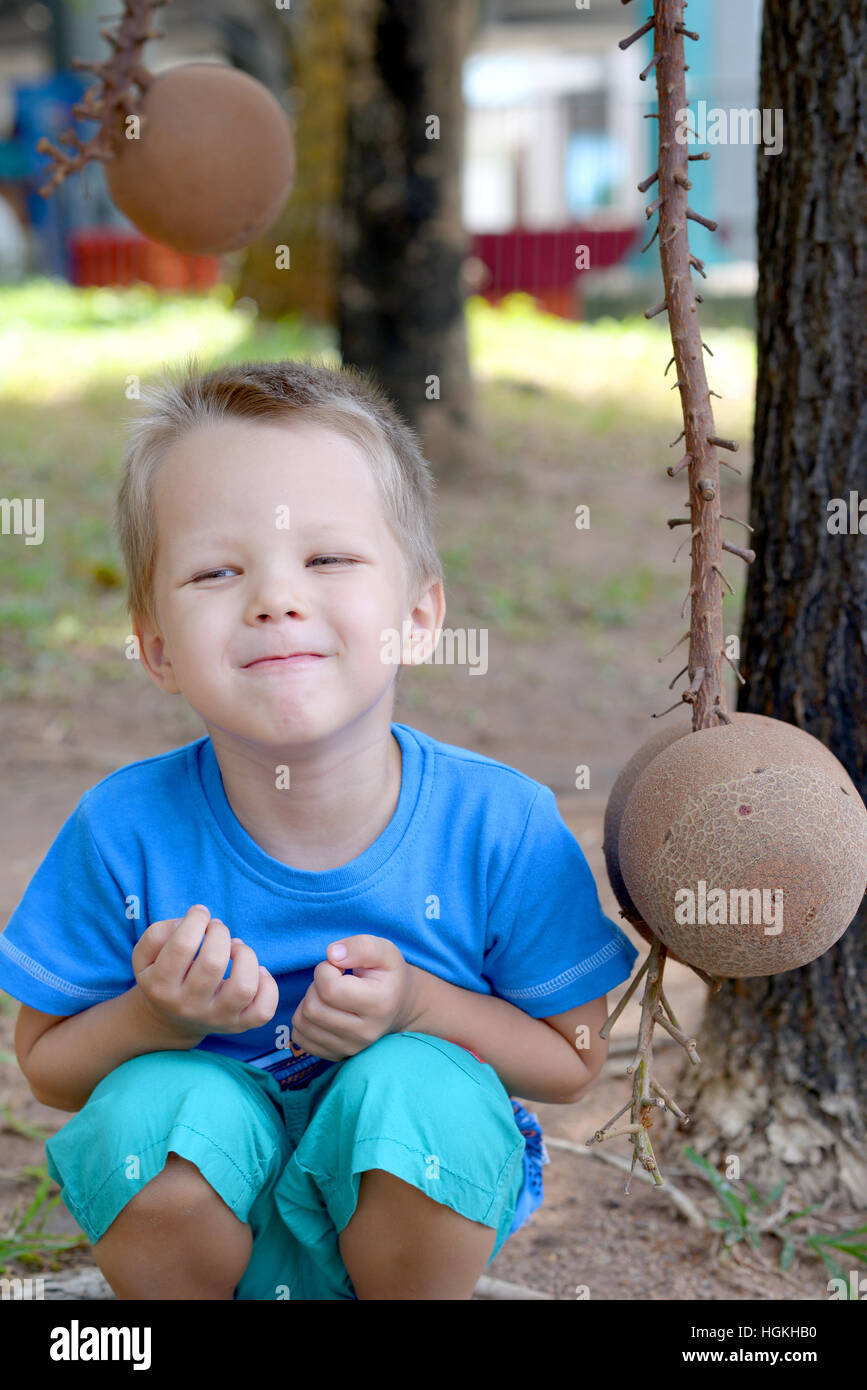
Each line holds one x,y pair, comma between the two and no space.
288,975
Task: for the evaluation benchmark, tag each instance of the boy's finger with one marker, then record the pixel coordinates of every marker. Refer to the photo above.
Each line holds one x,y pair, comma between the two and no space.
203,977
365,952
263,1008
149,945
177,952
242,985
154,938
330,980
351,993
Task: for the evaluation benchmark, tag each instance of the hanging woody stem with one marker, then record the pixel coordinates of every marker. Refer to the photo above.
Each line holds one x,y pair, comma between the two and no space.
112,98
705,690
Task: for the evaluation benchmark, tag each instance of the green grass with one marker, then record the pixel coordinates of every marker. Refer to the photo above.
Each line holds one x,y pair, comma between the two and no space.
611,366
748,1218
60,342
24,1238
573,398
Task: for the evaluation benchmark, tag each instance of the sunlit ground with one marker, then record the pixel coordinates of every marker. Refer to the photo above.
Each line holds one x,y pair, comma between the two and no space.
617,362
58,342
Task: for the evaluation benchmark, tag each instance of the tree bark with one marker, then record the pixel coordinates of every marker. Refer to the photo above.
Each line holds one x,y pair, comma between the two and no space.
782,1082
401,289
314,39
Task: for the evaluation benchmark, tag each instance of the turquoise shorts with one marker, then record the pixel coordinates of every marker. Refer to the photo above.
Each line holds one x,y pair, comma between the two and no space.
289,1161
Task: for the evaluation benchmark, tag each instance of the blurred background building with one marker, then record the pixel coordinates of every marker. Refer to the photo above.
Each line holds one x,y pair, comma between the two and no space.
554,143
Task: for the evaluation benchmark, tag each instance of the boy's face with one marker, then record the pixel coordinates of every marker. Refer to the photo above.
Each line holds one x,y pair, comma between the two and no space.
272,540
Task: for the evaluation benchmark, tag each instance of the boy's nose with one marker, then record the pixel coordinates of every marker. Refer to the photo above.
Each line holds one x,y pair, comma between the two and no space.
274,599
273,608
274,613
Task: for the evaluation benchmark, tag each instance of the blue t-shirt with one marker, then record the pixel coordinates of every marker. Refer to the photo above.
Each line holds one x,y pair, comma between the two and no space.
476,878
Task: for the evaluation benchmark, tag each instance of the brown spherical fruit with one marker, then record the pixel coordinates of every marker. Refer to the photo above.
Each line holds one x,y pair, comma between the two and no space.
213,164
619,795
664,736
730,816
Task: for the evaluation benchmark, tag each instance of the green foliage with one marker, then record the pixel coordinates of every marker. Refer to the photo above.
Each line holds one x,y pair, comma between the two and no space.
610,364
749,1220
59,341
8,1005
19,1126
25,1240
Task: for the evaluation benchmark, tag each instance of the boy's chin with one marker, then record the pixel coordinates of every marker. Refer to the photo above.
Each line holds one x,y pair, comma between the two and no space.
269,733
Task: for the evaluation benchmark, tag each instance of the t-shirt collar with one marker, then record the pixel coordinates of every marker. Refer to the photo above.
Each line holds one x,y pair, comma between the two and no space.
206,771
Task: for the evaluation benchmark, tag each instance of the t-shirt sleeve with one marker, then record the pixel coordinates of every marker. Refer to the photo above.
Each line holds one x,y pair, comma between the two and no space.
69,943
550,947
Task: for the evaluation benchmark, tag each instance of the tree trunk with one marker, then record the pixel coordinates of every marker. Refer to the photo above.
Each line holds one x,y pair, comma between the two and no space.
782,1082
401,290
314,38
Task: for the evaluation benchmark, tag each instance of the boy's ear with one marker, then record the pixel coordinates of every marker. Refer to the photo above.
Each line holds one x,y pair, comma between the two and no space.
153,655
427,616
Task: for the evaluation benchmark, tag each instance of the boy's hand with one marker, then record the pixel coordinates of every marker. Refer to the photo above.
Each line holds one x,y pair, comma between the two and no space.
341,1015
191,996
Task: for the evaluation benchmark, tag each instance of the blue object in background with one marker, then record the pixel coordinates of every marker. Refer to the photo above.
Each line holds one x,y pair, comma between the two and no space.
82,199
594,166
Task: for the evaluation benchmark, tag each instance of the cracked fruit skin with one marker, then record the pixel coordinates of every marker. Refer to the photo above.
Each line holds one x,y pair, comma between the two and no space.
755,805
214,162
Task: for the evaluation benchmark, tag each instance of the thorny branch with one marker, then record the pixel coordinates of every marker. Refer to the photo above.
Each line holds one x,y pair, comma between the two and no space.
112,98
705,690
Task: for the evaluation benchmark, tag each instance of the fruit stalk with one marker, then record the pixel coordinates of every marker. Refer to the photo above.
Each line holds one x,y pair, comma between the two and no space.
111,98
705,690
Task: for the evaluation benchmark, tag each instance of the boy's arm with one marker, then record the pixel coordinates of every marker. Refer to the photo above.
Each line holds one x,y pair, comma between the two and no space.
181,995
534,1058
64,1061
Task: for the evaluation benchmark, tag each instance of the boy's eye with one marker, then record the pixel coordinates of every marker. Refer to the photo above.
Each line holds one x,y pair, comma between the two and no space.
320,559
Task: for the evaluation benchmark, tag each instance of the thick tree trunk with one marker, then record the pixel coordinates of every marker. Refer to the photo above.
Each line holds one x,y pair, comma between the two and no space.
401,290
783,1077
314,39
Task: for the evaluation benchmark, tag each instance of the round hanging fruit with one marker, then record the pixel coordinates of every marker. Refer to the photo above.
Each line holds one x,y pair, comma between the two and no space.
200,158
744,847
212,165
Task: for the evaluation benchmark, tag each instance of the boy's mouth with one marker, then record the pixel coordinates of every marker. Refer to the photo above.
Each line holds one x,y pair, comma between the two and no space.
278,662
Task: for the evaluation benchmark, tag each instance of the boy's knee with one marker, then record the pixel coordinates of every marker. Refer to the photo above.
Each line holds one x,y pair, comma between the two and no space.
377,1063
175,1238
413,1060
148,1069
178,1187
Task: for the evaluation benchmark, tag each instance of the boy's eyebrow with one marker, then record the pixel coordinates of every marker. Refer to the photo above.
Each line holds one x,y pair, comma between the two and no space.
191,549
327,528
318,528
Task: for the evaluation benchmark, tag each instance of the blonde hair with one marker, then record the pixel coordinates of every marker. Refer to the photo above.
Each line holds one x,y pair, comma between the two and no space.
344,399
